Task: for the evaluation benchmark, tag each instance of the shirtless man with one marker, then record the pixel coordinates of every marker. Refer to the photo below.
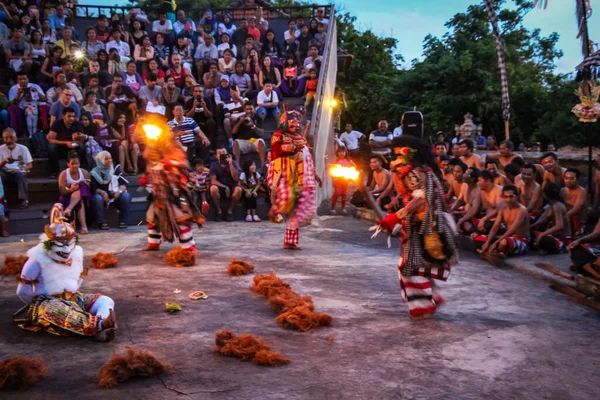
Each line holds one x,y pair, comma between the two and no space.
555,220
585,254
440,149
506,155
457,180
531,192
469,196
514,215
512,172
380,182
552,171
575,198
455,150
446,171
490,199
492,166
467,156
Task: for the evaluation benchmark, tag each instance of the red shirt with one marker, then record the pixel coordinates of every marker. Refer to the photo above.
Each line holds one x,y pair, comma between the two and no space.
311,86
255,33
179,78
159,75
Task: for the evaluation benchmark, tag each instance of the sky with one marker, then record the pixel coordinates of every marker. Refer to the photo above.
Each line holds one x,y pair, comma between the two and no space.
410,21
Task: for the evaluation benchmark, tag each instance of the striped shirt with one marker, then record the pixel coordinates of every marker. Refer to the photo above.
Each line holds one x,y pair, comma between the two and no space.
200,180
185,131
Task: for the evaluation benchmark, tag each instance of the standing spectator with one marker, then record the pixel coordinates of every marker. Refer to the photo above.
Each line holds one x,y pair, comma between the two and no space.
62,138
380,140
19,96
185,130
224,176
340,185
57,19
226,45
205,54
251,183
239,36
162,24
311,88
74,189
92,45
268,102
151,93
247,134
18,52
398,131
15,163
119,97
179,25
162,51
350,139
197,109
66,101
102,32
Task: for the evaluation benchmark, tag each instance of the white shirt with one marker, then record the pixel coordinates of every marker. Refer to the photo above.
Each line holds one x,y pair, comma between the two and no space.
251,180
122,48
157,27
179,26
350,140
287,35
12,93
20,154
262,98
397,132
224,46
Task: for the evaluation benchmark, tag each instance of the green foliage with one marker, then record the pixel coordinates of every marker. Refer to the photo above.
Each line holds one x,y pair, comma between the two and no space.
459,73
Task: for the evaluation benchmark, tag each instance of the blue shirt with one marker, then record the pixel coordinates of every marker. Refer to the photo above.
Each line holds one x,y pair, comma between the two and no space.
57,109
57,22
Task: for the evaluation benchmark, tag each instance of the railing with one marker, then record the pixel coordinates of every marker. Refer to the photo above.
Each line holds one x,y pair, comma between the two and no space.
321,123
272,12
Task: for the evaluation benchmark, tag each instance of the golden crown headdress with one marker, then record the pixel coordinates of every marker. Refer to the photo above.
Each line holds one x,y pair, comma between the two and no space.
59,228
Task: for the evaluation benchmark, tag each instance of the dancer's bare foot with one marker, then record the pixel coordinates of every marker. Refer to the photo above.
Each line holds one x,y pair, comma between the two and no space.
109,328
291,247
148,248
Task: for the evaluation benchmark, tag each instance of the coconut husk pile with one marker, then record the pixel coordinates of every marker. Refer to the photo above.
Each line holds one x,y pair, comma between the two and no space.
135,363
179,257
13,265
238,267
295,311
247,348
21,372
104,260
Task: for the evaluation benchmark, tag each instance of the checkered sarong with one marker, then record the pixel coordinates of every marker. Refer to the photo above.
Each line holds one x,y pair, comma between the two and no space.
292,236
501,64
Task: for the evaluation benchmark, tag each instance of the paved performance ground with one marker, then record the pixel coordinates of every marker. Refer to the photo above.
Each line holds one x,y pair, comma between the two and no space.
502,335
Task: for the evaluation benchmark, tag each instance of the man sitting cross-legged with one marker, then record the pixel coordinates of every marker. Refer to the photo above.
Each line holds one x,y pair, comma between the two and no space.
585,254
481,218
553,229
575,198
470,195
531,192
514,215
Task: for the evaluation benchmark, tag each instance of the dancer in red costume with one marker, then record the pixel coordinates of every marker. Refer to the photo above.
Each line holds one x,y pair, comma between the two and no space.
292,178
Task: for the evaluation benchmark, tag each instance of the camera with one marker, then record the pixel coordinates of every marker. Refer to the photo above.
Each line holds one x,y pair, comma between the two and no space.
199,99
224,157
248,120
11,160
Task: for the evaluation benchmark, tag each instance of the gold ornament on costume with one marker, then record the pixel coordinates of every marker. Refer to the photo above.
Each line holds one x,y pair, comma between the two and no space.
59,229
588,110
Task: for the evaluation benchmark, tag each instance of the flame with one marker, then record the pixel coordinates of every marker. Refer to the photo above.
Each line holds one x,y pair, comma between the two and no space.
152,131
339,171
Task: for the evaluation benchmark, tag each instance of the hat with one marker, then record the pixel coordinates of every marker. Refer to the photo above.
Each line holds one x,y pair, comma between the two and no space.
224,78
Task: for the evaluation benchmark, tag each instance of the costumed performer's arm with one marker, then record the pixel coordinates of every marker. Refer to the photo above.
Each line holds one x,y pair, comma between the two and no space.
29,275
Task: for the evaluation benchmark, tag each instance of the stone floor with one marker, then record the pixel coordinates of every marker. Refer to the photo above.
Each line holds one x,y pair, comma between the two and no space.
502,335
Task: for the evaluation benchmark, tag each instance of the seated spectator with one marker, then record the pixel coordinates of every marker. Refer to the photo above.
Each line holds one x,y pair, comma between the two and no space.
15,163
177,71
311,88
122,47
19,96
272,49
102,31
197,108
491,143
224,177
48,34
143,53
4,110
66,42
268,102
66,66
467,156
381,185
62,138
290,77
74,189
153,69
211,79
481,218
151,93
380,141
132,79
575,198
249,45
350,139
506,155
480,142
313,27
39,52
66,100
226,45
242,81
162,25
227,26
171,95
238,38
57,18
92,45
553,172
120,98
455,150
49,67
103,61
313,61
439,149
227,63
499,179
251,182
162,51
552,231
120,131
92,132
182,20
106,189
444,163
116,64
456,183
253,30
515,240
523,147
18,52
222,92
188,89
247,134
253,67
208,23
136,34
205,55
290,37
304,42
199,179
321,17
584,254
536,147
469,197
270,73
551,147
320,37
185,130
531,193
512,172
184,47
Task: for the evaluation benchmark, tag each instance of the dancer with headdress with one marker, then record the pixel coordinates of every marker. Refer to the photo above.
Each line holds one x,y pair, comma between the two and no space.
427,242
172,210
49,284
291,178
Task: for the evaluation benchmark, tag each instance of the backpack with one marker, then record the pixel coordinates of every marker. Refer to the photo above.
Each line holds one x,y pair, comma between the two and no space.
39,145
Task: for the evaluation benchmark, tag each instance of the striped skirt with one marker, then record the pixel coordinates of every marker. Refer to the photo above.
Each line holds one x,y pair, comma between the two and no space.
420,291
